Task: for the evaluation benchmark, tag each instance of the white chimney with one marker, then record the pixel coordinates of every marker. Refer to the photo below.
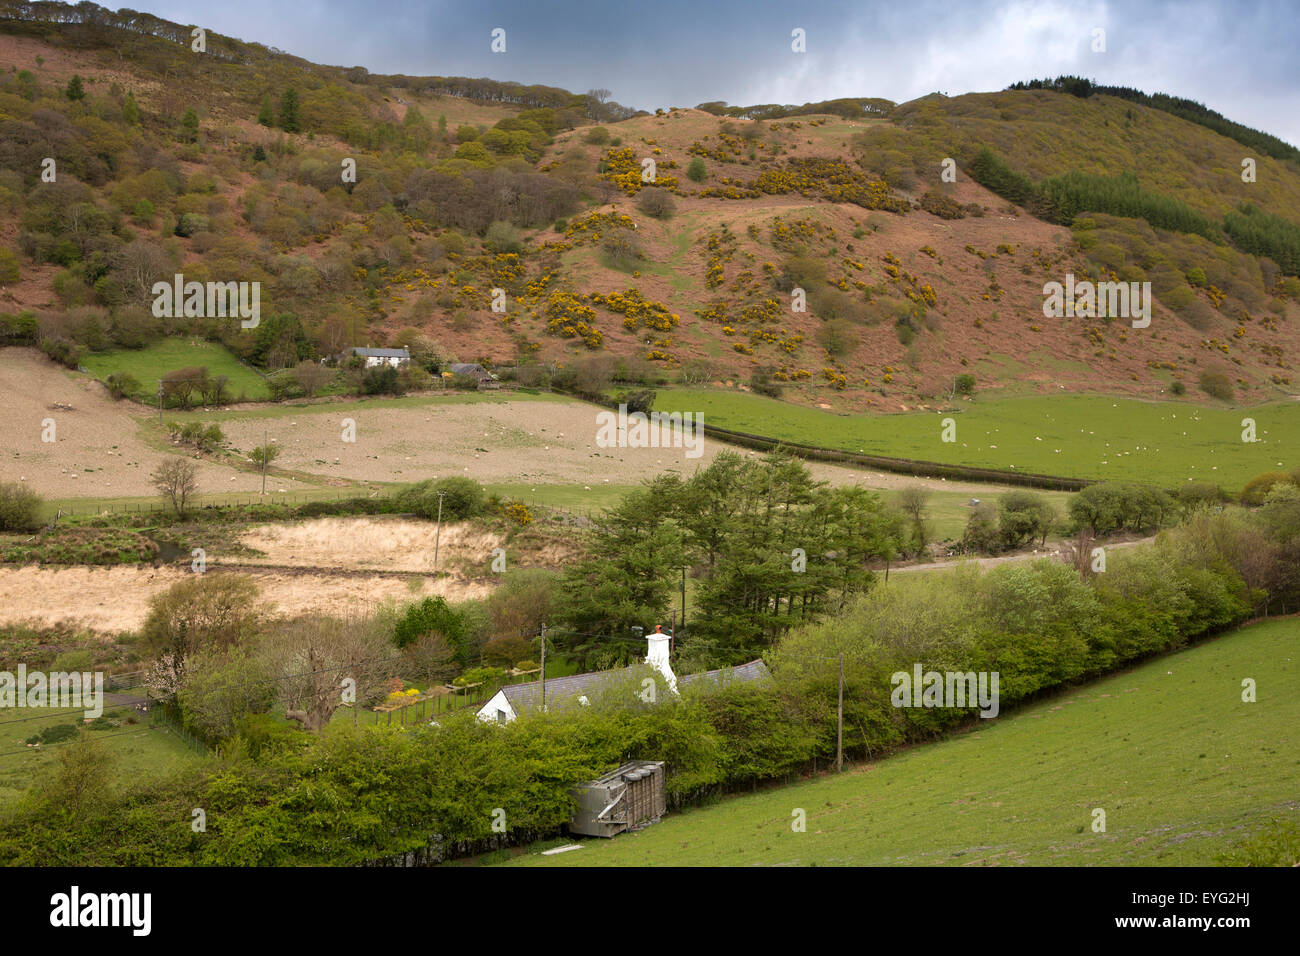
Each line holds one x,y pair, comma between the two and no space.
657,656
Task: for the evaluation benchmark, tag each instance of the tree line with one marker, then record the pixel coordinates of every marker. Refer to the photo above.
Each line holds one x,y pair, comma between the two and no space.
1061,198
1181,107
354,796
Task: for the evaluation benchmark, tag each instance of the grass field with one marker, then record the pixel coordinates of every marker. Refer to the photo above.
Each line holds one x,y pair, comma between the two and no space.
950,510
150,364
138,751
1183,768
1083,436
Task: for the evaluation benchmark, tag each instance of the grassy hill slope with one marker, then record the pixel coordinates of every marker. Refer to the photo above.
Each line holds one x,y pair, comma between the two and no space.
1183,768
204,165
1076,436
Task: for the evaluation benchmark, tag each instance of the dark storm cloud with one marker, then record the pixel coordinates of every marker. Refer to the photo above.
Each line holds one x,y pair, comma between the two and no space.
1235,56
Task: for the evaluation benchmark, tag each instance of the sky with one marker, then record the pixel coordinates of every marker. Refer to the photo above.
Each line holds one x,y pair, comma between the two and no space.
1235,56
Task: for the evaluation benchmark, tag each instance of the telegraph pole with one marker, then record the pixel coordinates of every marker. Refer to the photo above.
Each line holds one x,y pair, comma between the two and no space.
438,537
839,715
683,595
543,667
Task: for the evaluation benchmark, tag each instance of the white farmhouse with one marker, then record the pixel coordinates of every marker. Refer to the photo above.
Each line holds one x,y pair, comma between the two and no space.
375,357
515,699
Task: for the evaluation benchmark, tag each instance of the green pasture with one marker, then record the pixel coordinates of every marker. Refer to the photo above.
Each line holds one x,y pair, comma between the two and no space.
1083,436
149,365
1182,767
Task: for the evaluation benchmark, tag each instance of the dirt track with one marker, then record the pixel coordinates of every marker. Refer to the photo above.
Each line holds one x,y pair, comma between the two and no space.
1053,552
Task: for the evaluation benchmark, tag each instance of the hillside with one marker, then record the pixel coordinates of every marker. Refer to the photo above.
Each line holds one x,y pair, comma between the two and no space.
174,161
1183,769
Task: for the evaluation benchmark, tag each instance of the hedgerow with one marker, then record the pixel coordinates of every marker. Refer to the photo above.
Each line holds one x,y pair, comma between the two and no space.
347,797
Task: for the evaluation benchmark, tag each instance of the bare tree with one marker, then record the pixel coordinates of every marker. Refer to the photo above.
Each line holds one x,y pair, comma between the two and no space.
140,264
596,100
311,376
183,383
322,662
333,336
432,658
913,501
176,480
696,371
1078,553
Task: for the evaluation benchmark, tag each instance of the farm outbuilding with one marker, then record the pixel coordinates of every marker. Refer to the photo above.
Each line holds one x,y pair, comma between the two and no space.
472,370
632,796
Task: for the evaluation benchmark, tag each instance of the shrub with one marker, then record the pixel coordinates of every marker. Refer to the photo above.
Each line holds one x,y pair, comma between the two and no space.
641,400
490,677
1216,385
657,203
19,507
464,381
462,498
621,249
1199,494
981,534
434,617
20,329
380,380
1256,490
73,661
1111,506
696,170
596,136
838,337
191,223
52,735
8,267
221,688
965,384
905,329
502,237
943,206
1177,387
66,353
762,382
203,437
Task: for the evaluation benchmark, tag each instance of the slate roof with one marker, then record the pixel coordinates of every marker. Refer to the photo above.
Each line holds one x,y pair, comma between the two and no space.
382,353
753,671
527,697
559,690
468,368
